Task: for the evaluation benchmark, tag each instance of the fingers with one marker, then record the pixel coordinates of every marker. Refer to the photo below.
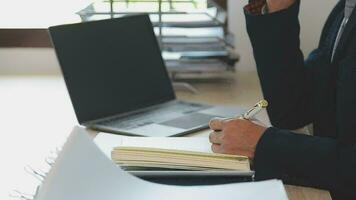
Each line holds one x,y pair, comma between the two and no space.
216,124
215,137
216,148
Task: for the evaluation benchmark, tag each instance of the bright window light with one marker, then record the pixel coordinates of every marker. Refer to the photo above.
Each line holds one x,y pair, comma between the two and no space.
45,13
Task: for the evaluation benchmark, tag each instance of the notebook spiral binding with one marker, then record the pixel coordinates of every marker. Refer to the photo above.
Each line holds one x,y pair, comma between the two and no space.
38,174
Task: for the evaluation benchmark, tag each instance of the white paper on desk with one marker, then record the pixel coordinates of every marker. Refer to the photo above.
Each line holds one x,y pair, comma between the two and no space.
106,142
83,172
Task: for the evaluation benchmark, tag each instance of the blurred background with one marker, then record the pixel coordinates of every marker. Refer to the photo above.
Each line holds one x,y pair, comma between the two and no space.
204,43
39,14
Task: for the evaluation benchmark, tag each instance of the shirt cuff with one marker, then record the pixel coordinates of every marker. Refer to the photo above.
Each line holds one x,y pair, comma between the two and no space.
264,9
255,7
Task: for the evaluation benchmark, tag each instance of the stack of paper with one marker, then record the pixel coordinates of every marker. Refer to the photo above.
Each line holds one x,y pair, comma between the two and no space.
83,172
155,158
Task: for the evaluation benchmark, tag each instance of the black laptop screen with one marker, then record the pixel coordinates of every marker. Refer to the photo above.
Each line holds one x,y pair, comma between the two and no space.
111,66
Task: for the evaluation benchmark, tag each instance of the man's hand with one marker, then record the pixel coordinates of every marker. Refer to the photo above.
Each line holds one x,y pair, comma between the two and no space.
237,136
277,5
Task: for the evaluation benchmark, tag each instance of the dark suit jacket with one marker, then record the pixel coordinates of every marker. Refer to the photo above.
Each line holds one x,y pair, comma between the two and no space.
301,92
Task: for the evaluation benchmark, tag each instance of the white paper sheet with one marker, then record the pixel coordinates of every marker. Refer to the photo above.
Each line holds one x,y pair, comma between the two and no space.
106,142
83,172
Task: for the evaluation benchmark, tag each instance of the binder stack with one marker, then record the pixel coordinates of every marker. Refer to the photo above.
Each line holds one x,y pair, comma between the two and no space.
192,33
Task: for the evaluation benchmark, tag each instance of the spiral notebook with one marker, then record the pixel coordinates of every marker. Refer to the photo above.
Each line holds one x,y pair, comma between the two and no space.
82,171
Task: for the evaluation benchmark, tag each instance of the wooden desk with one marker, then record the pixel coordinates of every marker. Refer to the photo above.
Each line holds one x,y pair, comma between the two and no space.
41,103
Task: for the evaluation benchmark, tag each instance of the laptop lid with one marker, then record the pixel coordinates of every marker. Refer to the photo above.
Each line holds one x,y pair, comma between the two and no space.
111,66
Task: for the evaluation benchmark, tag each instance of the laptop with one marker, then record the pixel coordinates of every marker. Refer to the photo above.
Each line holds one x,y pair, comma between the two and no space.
118,82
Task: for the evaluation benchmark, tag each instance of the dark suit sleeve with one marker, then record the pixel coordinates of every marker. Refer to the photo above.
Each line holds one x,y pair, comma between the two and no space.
307,160
286,84
285,78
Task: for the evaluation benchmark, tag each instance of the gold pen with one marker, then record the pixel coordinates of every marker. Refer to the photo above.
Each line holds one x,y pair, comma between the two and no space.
251,112
255,110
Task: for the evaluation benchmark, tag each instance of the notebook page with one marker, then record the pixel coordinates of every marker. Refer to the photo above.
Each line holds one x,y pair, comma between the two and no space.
106,142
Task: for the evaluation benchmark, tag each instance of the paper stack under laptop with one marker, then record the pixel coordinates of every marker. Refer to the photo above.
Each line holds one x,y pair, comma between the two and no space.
136,158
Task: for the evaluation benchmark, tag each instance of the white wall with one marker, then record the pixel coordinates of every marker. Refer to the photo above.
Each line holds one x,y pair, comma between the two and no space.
38,14
312,17
22,61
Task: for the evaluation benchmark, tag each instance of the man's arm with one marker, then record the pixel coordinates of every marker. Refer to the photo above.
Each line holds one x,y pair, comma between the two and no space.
306,160
285,79
295,158
287,83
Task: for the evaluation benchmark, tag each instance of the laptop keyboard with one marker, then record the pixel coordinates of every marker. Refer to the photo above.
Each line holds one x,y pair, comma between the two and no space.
162,114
